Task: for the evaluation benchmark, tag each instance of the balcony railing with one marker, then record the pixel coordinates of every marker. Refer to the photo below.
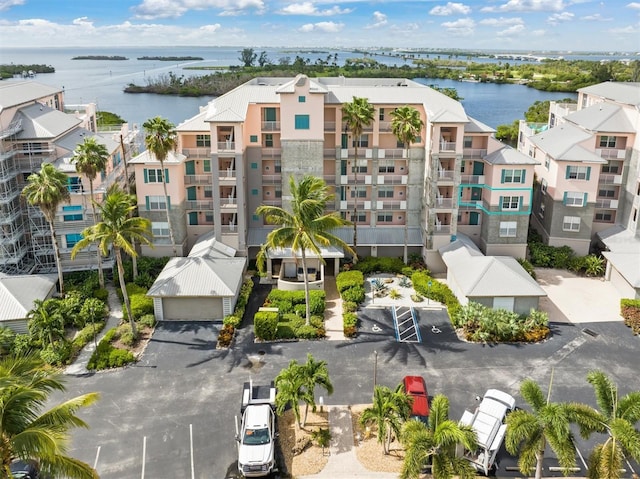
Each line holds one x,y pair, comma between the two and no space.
270,126
610,179
197,152
329,179
444,203
229,229
448,146
474,153
197,179
440,229
271,179
229,173
611,153
391,205
386,179
227,202
272,202
329,152
445,175
472,179
271,152
606,203
226,146
384,126
329,126
199,205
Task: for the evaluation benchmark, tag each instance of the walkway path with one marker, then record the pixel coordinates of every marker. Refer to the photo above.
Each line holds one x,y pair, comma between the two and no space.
343,463
79,366
333,311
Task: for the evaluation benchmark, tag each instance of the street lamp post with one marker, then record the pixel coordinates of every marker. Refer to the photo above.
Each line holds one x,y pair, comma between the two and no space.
429,292
375,369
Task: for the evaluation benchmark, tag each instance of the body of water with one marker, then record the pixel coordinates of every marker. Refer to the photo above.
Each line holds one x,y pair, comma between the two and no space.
103,81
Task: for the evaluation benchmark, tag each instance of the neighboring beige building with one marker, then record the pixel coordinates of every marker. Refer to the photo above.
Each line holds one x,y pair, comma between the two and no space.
240,150
17,295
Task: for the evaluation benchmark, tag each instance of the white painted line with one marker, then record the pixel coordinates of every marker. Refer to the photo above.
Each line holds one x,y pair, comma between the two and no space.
582,459
144,453
193,471
95,463
560,469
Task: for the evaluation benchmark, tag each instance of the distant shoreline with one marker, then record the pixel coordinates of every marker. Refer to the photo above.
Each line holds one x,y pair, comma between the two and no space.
171,59
100,57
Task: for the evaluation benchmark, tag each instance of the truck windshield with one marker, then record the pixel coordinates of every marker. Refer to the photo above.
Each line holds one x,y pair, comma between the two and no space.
254,437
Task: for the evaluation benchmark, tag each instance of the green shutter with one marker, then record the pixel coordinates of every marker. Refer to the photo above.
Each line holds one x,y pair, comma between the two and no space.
521,203
193,218
191,193
501,202
146,176
588,172
254,192
254,166
168,202
166,175
502,177
256,218
566,175
253,138
190,168
564,198
270,114
584,201
523,175
207,166
146,200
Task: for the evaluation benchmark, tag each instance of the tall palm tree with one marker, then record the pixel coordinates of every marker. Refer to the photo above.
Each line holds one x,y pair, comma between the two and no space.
290,386
45,320
315,373
28,432
617,417
47,189
529,432
390,409
437,441
406,125
160,139
91,158
357,114
305,228
118,229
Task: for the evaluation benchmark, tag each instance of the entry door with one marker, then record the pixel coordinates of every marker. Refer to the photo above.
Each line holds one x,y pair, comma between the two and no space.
474,218
478,168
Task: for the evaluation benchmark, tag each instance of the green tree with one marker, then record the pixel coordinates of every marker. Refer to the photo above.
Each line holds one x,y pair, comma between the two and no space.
46,190
406,125
436,442
617,417
357,114
508,133
390,409
315,373
118,229
303,229
263,60
45,320
160,139
291,389
529,432
90,159
28,432
248,57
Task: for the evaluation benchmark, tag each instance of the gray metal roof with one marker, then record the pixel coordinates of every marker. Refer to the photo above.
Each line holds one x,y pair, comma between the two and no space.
627,264
620,92
13,94
17,293
195,123
144,158
208,245
367,236
199,276
486,276
509,156
40,121
475,126
563,143
624,254
603,118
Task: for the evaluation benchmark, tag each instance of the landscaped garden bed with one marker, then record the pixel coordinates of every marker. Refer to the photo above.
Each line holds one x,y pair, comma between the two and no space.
283,316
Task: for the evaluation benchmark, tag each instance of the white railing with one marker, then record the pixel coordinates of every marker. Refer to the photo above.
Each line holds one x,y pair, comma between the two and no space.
197,152
472,179
445,203
448,146
197,179
199,204
329,126
610,179
270,126
474,152
271,179
226,146
445,175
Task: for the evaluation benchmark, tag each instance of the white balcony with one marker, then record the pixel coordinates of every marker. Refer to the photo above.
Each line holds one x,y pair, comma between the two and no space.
197,179
610,179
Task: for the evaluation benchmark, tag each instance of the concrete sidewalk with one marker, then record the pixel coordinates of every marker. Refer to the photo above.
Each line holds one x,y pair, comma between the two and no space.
343,463
333,311
79,366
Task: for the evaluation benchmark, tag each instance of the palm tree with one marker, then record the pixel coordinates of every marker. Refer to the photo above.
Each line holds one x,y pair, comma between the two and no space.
304,228
27,431
291,389
406,125
91,158
618,417
47,189
315,373
46,321
160,139
390,409
528,433
118,229
437,441
357,114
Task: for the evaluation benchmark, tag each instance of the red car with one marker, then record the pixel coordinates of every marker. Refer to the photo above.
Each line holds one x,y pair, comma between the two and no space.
415,387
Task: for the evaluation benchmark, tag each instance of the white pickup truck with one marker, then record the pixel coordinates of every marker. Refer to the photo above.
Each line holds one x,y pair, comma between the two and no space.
256,433
488,423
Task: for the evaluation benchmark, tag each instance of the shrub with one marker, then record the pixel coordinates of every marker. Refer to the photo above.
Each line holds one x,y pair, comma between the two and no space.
93,310
141,305
383,264
22,344
308,332
285,301
594,265
354,295
107,356
70,307
101,294
630,311
144,280
438,292
243,299
416,298
7,337
265,325
232,320
394,294
322,437
125,334
527,266
349,279
85,335
57,354
147,320
349,306
225,336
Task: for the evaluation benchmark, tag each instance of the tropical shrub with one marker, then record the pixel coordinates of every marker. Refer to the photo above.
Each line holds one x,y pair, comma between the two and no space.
23,344
354,295
438,291
349,306
141,304
91,311
394,294
630,311
527,266
7,337
225,336
144,280
125,334
373,264
286,301
56,354
350,324
593,265
232,320
265,324
148,320
349,279
101,294
85,335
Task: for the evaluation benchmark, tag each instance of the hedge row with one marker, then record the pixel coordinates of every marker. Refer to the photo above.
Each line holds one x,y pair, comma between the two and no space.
233,321
438,291
373,264
106,356
295,301
265,325
630,311
350,284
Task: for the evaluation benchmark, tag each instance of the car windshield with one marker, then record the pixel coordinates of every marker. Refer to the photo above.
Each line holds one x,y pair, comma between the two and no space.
254,437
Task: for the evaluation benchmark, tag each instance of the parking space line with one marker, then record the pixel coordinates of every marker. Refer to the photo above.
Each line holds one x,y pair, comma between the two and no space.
582,459
193,471
95,463
144,453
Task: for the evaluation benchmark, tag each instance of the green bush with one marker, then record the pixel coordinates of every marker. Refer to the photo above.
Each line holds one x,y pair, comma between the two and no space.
140,305
57,354
438,291
101,294
527,266
92,310
349,306
106,357
349,324
349,279
22,344
285,301
125,334
309,332
243,298
86,334
70,307
265,325
144,280
354,295
147,320
232,320
7,337
372,264
630,311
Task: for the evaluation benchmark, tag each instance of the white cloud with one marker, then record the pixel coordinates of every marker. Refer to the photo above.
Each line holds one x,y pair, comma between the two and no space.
323,27
379,20
210,28
451,9
150,9
557,18
538,33
461,27
7,4
596,18
512,30
83,21
501,22
527,6
308,8
635,5
629,30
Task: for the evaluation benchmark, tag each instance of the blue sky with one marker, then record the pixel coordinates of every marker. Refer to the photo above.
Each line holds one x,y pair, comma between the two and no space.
530,25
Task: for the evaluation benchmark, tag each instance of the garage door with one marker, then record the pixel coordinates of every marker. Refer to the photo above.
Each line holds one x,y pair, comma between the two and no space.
504,303
194,309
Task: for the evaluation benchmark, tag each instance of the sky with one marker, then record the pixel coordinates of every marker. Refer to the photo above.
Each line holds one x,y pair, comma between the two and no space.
518,25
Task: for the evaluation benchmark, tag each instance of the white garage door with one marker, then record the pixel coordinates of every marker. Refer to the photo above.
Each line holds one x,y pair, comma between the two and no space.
194,309
504,303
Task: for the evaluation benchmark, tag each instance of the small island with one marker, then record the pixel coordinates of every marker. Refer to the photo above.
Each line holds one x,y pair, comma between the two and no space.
8,71
99,57
171,59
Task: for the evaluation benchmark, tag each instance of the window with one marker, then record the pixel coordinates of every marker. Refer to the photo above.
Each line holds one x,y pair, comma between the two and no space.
154,175
253,138
208,192
578,172
608,141
268,140
359,191
208,217
73,213
72,239
361,217
363,142
462,167
547,162
541,210
468,141
606,216
611,167
543,186
513,176
606,193
575,198
269,114
361,166
159,228
302,99
510,202
203,141
508,229
278,193
571,223
206,166
277,166
302,122
116,159
386,166
385,192
254,192
74,184
254,166
385,217
156,202
253,217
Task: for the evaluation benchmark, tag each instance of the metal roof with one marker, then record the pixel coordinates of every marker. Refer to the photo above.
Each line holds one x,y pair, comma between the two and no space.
144,158
509,156
14,94
475,126
602,118
624,252
620,92
563,143
208,245
17,293
41,121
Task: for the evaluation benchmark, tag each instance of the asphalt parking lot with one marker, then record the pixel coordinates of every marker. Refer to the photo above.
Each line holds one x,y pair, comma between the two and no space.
172,414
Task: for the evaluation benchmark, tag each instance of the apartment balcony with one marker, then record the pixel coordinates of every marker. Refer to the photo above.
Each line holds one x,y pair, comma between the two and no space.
197,152
447,147
443,203
384,126
271,152
383,179
474,153
277,202
227,203
270,126
353,179
197,179
445,176
350,204
472,180
611,153
470,204
391,205
228,173
329,179
229,229
226,146
329,152
530,129
272,179
605,179
607,203
206,205
392,153
440,229
329,126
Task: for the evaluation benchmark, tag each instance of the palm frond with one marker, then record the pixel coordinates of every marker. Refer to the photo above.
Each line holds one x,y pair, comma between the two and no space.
605,390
